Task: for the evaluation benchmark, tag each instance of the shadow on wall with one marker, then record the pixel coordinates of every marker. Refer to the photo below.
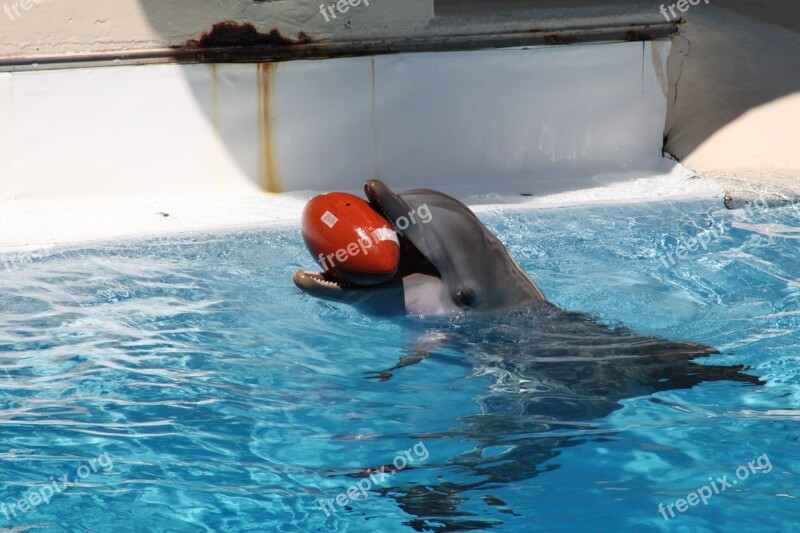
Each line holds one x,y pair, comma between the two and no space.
732,55
234,25
727,62
415,120
245,25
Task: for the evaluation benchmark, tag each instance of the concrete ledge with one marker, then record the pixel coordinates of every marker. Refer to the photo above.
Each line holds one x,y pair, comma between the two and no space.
734,100
32,226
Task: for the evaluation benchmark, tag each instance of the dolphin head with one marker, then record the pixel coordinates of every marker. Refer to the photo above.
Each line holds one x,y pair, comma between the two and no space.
477,270
439,236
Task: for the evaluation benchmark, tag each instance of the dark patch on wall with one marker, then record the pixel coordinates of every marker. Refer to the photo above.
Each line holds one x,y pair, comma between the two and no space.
554,38
229,33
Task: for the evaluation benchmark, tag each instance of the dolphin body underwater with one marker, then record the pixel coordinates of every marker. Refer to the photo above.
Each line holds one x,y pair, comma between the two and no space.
555,372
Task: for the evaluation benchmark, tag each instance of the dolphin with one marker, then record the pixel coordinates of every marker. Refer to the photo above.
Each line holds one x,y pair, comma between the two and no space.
556,373
450,264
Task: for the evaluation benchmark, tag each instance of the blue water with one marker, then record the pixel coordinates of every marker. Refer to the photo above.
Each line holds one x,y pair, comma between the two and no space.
213,396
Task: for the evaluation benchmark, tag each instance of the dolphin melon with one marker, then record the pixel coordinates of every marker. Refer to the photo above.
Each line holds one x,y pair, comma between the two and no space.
350,240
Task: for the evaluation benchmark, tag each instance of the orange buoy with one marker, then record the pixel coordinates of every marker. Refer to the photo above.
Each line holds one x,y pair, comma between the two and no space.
349,240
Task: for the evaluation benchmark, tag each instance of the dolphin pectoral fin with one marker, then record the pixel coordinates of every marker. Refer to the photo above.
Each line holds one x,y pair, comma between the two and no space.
381,375
411,358
385,299
417,353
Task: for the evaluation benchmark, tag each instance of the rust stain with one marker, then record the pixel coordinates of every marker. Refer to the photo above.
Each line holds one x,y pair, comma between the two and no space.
267,161
232,33
655,53
217,141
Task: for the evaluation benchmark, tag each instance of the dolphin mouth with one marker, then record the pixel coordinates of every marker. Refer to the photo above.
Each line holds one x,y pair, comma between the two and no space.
323,284
386,203
323,281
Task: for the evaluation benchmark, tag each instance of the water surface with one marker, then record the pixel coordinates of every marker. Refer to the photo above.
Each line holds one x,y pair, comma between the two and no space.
228,401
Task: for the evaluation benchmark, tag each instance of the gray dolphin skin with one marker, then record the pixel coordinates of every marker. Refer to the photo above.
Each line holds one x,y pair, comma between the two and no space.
555,374
476,271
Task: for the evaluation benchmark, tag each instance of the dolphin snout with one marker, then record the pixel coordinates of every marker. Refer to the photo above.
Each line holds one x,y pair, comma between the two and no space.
374,190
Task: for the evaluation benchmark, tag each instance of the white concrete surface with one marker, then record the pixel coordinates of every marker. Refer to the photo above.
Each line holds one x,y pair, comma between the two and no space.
133,131
99,153
186,140
53,27
31,226
536,120
733,56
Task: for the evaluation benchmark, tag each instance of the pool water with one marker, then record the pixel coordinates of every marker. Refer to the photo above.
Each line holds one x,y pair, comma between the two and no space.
185,384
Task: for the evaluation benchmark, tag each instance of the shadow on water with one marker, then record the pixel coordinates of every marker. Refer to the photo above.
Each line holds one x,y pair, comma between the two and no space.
553,373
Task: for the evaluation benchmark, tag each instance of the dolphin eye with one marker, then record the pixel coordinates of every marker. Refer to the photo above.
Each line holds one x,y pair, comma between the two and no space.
465,297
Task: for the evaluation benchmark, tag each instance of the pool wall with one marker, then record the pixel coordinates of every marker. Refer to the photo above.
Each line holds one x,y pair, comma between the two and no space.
123,120
734,74
534,120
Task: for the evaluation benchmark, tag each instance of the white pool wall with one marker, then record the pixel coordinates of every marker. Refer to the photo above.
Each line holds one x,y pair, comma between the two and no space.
734,71
94,153
545,119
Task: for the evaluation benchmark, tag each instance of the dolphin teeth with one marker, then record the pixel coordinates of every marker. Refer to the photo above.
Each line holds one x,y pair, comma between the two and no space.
319,279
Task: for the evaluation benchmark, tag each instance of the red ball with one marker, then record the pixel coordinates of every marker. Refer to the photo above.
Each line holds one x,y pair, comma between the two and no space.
349,239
